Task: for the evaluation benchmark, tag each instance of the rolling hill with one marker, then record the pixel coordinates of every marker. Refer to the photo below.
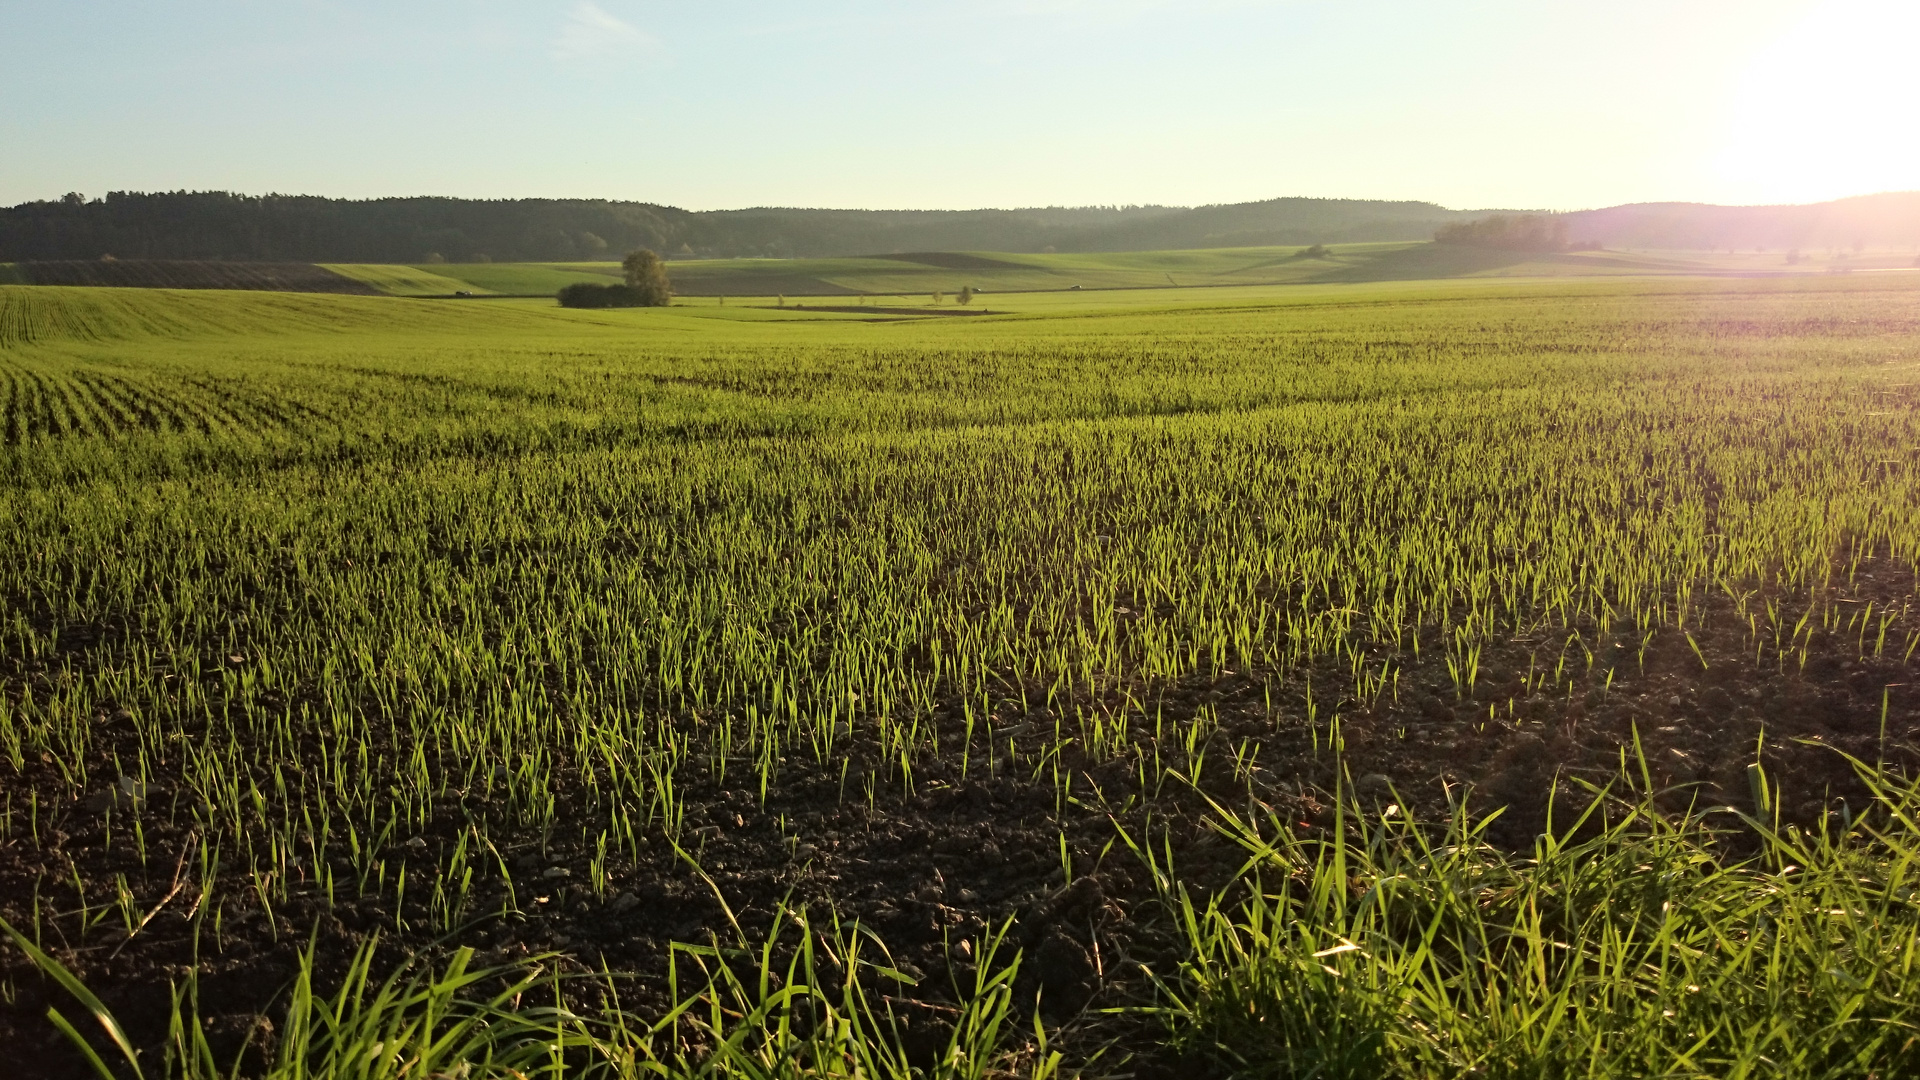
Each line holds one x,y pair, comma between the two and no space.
1888,220
223,226
219,226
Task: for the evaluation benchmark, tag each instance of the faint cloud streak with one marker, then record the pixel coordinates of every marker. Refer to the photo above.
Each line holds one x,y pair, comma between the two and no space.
592,33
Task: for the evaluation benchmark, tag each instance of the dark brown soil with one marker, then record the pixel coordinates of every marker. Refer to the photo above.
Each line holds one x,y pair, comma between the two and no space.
878,310
693,284
954,260
193,274
964,851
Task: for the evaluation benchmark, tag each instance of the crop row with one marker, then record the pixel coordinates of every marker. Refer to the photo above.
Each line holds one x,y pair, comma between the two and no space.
373,643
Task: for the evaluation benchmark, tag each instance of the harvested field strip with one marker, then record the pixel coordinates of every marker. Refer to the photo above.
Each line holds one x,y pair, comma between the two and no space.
955,260
192,274
766,284
881,310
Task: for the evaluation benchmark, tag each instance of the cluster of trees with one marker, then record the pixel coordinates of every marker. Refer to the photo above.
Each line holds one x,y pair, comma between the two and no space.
646,285
291,228
1508,232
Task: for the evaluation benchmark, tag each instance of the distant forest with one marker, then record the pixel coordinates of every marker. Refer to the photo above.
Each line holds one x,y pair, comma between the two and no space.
1886,221
218,225
300,228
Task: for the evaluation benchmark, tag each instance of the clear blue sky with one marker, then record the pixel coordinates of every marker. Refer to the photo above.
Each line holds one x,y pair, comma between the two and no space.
1471,103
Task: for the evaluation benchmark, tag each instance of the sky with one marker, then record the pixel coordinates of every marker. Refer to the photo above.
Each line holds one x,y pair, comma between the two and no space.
1537,104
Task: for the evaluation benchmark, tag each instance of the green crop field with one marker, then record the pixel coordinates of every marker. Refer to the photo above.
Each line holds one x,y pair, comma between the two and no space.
406,280
998,272
918,276
522,279
1492,677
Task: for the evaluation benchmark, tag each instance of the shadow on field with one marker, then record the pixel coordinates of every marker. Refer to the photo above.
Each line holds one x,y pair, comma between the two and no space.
1429,261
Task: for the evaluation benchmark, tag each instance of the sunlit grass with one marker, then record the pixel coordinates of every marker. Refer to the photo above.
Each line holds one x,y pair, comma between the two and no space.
746,1013
1629,942
354,571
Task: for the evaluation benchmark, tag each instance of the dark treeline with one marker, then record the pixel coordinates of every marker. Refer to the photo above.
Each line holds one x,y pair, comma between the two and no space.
785,232
218,225
297,228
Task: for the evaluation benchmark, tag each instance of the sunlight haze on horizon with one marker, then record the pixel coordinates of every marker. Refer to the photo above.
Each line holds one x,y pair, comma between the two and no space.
1501,103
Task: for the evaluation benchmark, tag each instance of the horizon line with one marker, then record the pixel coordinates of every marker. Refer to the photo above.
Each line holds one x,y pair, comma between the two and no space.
92,200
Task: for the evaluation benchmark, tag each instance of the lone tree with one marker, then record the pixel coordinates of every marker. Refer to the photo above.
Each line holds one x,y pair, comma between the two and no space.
966,294
646,275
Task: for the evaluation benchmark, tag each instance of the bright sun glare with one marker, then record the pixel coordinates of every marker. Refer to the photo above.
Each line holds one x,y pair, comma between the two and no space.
1829,108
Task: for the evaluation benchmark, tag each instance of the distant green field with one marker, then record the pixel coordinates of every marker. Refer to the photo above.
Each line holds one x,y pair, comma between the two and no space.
917,274
522,279
993,274
405,280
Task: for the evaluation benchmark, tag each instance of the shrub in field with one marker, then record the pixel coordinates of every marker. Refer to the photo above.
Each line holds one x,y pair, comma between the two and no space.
646,275
1629,943
588,295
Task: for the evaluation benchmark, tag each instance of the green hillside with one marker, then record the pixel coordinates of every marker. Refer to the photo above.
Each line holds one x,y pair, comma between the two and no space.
524,279
47,314
405,280
923,273
993,273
